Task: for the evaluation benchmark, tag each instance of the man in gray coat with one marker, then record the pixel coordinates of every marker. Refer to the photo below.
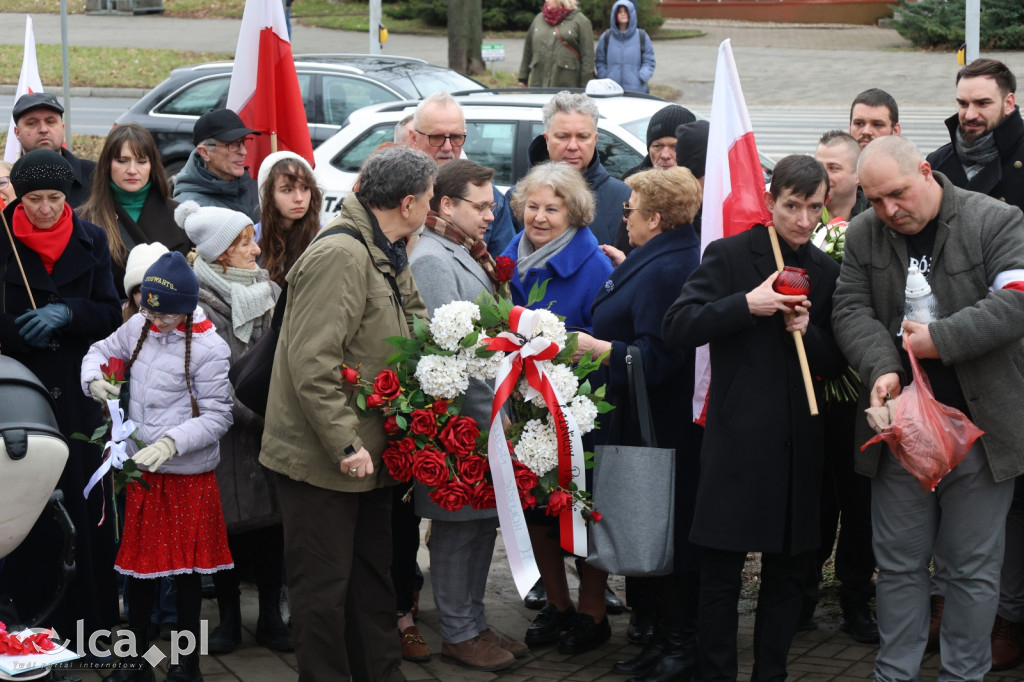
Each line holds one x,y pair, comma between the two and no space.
451,263
971,248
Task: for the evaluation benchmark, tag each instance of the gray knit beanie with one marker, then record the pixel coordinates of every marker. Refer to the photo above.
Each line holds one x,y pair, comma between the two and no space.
211,228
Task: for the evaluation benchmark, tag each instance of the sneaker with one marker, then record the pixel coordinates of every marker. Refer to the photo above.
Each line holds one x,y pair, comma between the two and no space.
477,654
547,627
1006,644
584,635
938,603
517,649
414,647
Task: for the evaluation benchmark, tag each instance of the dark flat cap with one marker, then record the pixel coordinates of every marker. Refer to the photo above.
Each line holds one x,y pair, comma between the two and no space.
35,100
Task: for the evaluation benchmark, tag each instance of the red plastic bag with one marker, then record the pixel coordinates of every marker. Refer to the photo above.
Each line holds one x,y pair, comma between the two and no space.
927,437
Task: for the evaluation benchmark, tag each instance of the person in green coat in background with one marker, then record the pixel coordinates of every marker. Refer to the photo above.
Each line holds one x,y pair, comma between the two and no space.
559,48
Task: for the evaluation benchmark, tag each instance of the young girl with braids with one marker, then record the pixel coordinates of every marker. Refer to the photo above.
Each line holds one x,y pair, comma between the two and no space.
180,399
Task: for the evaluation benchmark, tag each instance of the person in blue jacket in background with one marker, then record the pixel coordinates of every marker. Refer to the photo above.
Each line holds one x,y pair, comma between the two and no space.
624,52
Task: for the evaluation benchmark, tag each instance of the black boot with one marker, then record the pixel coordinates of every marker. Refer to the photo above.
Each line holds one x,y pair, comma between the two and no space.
678,611
133,668
271,631
643,662
186,669
226,637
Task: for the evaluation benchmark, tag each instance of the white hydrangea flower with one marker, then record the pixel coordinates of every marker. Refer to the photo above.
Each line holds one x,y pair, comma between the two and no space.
452,321
550,327
565,382
443,377
538,447
584,411
481,368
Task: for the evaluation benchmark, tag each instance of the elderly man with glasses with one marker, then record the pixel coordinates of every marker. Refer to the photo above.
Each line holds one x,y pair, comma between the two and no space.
215,173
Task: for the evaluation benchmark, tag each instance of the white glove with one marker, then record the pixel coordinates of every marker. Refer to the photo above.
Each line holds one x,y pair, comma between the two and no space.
153,456
102,391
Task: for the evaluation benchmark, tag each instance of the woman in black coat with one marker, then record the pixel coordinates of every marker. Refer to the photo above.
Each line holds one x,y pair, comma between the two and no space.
629,311
67,263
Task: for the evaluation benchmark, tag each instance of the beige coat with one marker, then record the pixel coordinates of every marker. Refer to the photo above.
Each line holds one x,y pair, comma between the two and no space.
340,309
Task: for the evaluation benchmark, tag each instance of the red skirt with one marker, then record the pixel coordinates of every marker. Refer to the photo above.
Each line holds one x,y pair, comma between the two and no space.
175,527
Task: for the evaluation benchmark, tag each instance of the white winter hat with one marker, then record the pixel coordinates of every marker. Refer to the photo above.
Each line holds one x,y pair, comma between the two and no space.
211,228
139,260
271,160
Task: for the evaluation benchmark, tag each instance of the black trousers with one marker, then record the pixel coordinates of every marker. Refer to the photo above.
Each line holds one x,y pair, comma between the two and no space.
337,550
405,542
778,611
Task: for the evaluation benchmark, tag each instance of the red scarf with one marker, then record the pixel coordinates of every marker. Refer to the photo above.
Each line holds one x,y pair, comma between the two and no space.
48,244
554,15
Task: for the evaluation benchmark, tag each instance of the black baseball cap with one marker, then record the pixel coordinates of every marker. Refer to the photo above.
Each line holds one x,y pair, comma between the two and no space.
222,124
35,100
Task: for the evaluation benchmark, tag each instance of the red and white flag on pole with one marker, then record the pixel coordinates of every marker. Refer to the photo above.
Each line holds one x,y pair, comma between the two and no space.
264,88
28,82
733,185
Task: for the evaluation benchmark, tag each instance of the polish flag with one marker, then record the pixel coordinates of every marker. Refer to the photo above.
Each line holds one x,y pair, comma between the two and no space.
28,82
733,185
264,88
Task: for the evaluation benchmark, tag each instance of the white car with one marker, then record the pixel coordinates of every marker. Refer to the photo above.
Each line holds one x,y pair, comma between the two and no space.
500,125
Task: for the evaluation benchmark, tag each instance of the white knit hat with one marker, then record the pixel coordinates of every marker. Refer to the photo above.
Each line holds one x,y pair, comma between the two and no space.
211,228
271,160
139,260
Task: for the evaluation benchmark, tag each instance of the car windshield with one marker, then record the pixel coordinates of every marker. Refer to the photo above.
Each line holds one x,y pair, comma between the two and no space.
417,83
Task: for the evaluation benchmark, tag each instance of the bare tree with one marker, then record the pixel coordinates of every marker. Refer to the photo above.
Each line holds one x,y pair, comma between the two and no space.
465,34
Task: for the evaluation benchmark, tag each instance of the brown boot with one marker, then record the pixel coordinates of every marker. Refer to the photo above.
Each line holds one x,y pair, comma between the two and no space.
938,603
517,649
477,654
1006,644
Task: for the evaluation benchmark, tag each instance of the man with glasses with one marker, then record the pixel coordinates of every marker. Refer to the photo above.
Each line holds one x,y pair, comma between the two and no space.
215,173
439,131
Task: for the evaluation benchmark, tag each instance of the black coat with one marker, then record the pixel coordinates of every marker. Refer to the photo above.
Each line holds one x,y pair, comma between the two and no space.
629,311
155,224
81,279
762,454
82,186
1004,180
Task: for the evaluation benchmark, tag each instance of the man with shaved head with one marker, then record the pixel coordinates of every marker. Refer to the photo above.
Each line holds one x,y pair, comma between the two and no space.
971,249
838,153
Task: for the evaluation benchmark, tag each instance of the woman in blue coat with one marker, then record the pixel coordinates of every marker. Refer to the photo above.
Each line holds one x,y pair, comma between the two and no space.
628,311
624,52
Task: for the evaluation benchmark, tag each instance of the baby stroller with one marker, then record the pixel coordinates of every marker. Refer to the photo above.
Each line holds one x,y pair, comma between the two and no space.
32,456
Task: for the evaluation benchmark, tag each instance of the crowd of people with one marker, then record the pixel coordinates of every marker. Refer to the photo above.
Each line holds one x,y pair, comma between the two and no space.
111,264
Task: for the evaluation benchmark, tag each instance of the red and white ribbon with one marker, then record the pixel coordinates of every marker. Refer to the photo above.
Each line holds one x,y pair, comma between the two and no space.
524,350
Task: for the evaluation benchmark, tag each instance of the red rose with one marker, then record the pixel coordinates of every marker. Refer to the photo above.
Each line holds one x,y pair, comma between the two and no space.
399,463
440,406
558,501
349,375
595,516
391,425
527,498
459,435
503,268
407,446
423,423
526,480
452,496
430,467
473,468
387,384
483,497
374,400
113,370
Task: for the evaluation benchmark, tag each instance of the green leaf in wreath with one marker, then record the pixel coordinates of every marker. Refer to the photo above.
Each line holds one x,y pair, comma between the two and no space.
361,401
484,299
401,421
420,328
404,343
537,293
470,339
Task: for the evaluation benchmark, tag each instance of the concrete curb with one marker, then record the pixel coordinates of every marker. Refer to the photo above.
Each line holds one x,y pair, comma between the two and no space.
134,93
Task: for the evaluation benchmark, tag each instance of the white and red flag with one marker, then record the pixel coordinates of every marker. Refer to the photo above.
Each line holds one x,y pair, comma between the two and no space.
28,82
264,88
733,185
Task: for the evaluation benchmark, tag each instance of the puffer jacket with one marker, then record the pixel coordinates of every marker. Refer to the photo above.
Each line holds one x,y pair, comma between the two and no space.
548,63
159,403
627,57
195,183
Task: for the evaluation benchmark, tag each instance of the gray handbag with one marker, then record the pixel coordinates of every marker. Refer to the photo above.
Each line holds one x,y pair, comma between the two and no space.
634,489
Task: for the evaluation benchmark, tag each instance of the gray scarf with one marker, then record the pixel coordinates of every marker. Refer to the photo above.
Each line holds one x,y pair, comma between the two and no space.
248,293
976,155
530,257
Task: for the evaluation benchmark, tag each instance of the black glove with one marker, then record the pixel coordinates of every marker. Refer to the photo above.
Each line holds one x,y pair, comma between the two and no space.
36,327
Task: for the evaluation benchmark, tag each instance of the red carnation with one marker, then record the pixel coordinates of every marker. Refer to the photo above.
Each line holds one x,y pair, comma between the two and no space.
374,400
399,463
349,375
113,370
452,496
440,406
387,384
391,425
483,497
558,501
503,268
472,469
423,424
430,467
459,435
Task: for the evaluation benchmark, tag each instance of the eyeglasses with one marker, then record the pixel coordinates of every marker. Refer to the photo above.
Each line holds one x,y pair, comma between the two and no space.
457,139
627,210
165,318
236,146
482,207
4,181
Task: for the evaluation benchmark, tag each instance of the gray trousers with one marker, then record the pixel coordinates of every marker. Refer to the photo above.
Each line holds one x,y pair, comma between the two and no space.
460,558
962,522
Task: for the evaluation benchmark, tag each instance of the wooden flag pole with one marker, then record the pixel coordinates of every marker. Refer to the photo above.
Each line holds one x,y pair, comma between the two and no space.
17,257
798,338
